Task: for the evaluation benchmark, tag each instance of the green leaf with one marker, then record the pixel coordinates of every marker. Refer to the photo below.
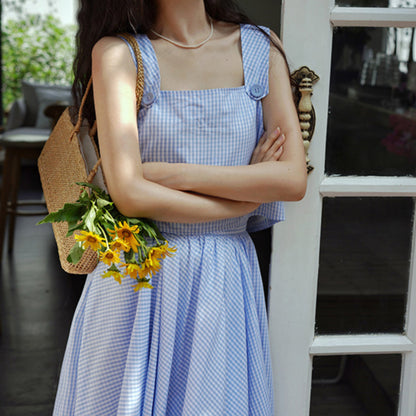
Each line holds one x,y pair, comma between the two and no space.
109,218
129,256
96,189
101,203
113,268
90,218
75,226
152,231
69,213
84,198
75,254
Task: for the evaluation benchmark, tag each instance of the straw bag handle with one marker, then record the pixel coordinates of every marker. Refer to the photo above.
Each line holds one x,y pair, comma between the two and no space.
139,94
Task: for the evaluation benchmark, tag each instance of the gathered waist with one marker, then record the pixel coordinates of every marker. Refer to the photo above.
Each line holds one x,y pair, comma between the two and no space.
227,226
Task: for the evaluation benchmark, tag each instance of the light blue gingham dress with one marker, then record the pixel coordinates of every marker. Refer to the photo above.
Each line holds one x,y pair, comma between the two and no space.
197,344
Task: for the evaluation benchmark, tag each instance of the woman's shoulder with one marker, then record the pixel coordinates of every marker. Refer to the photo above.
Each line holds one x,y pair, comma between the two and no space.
263,35
108,47
110,54
253,34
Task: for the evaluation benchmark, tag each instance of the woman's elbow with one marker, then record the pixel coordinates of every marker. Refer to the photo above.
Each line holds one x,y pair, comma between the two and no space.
298,191
295,187
126,208
299,186
128,204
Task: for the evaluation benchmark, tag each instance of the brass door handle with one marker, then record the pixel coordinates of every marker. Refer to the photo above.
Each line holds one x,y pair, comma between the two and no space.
303,80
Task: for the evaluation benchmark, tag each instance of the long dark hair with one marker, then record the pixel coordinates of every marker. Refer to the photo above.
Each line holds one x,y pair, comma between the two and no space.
98,18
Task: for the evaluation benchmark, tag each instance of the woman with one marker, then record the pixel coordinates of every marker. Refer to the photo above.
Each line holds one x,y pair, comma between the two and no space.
205,160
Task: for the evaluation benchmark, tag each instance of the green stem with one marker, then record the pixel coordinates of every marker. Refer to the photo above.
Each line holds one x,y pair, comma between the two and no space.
105,234
109,217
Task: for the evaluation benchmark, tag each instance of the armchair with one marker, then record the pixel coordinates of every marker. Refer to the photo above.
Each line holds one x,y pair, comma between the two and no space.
27,129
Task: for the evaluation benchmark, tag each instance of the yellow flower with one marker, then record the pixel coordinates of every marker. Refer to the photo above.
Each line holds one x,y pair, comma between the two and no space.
89,239
150,266
162,251
140,271
113,273
119,245
142,285
152,262
132,269
126,233
109,257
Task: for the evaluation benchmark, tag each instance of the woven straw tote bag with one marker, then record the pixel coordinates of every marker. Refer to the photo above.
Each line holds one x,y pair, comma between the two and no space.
70,155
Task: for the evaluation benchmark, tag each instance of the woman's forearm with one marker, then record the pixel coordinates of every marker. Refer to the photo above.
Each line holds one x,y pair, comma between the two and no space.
261,182
151,200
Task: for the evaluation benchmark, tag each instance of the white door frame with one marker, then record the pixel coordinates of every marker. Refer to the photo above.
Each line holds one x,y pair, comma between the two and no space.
307,27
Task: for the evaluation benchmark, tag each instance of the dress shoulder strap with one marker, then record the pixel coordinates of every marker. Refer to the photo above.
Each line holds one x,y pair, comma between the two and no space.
150,69
255,46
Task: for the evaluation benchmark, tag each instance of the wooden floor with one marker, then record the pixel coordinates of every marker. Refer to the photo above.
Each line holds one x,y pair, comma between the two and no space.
37,301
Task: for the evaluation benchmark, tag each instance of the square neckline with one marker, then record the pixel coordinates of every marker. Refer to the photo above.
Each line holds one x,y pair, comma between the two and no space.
204,90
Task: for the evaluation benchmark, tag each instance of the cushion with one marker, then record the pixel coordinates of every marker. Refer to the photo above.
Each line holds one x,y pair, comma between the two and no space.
28,137
46,97
17,115
39,96
26,131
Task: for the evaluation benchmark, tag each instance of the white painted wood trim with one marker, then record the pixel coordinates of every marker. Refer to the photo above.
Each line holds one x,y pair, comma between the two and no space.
407,399
410,326
407,402
373,16
361,344
295,250
333,186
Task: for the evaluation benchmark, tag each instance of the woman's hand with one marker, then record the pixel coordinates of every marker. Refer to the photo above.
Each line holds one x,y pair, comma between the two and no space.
269,147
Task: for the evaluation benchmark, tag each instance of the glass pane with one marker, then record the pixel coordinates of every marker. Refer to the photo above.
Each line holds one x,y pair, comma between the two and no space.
364,265
372,104
356,385
376,3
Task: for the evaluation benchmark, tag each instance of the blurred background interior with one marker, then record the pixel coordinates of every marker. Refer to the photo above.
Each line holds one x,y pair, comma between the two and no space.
365,242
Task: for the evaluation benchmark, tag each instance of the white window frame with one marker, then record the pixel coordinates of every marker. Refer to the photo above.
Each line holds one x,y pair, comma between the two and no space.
307,27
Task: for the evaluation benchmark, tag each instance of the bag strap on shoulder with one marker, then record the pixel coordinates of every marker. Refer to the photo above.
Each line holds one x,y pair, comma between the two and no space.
140,72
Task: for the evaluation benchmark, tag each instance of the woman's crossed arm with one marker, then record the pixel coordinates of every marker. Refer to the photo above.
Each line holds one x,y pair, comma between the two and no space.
114,79
272,175
192,193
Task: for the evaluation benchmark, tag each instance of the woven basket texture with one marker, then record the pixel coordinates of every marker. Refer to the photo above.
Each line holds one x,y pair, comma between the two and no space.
61,165
70,156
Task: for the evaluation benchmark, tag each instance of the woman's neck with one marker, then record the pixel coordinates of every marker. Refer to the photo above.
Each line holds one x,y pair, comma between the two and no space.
184,21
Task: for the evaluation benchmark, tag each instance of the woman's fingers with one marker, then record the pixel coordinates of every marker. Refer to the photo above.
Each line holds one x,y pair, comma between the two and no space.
262,140
278,153
266,141
267,147
271,138
275,148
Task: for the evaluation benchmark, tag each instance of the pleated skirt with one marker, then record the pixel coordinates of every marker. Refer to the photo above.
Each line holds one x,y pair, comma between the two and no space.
196,344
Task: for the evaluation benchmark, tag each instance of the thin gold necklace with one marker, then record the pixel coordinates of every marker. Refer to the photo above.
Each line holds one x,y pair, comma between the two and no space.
183,45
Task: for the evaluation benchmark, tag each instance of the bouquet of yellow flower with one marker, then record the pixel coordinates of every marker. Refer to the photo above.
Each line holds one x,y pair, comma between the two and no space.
98,225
